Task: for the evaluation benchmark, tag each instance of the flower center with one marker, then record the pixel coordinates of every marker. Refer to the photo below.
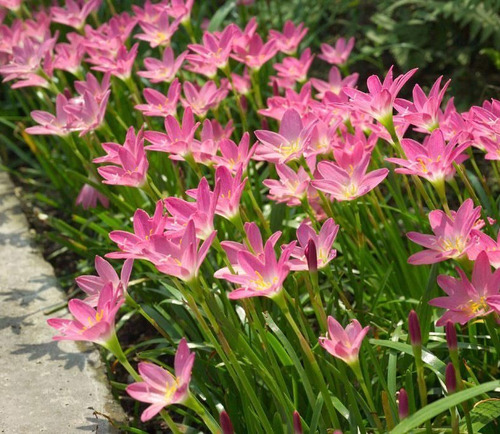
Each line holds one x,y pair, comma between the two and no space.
453,243
261,284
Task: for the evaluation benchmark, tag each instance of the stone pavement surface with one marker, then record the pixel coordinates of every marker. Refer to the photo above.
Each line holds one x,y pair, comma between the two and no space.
45,386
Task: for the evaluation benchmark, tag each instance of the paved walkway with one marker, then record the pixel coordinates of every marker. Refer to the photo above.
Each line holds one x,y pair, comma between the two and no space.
45,386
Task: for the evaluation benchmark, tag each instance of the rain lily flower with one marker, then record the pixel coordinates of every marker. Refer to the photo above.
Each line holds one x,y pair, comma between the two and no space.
452,235
13,5
323,242
178,139
433,160
348,183
295,69
258,274
466,299
181,10
288,41
89,196
200,212
119,65
61,124
159,104
158,33
278,105
235,156
131,162
215,48
179,256
90,324
335,83
344,344
166,69
132,245
254,53
93,285
68,57
75,13
339,54
424,112
91,85
202,99
160,388
291,188
287,145
484,243
379,100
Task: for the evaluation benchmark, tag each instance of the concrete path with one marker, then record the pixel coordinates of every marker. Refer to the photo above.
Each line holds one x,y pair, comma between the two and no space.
44,386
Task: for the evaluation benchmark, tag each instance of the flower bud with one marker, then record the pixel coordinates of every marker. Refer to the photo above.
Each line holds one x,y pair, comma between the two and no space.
225,423
297,424
403,408
450,378
451,336
311,255
414,329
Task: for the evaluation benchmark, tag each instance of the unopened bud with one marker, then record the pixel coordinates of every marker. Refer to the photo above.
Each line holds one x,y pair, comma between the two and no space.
225,423
451,379
311,255
403,408
414,328
297,424
451,336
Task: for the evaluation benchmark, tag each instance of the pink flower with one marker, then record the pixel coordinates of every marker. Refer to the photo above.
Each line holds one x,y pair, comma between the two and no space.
484,243
181,9
160,32
288,41
424,112
291,188
93,285
13,5
258,274
75,13
452,235
202,99
379,100
468,299
88,111
179,256
433,160
61,124
344,344
215,49
166,69
348,183
132,245
179,138
287,145
200,212
339,54
295,69
322,241
160,388
130,159
89,196
278,105
159,104
98,90
94,325
254,53
335,83
235,156
68,57
119,65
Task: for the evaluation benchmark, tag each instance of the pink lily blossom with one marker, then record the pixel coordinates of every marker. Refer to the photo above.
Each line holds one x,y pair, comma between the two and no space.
160,105
335,83
164,70
179,256
179,138
68,57
287,145
288,41
295,69
323,242
254,53
215,49
200,212
181,10
75,13
130,159
202,99
379,100
61,124
132,245
94,325
106,274
452,235
119,65
259,275
160,32
344,344
278,105
348,183
11,5
433,160
233,156
466,299
291,188
339,54
484,243
160,388
91,85
89,196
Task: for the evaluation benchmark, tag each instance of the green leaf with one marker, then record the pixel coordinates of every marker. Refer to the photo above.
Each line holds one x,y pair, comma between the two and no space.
220,16
444,404
483,413
279,350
